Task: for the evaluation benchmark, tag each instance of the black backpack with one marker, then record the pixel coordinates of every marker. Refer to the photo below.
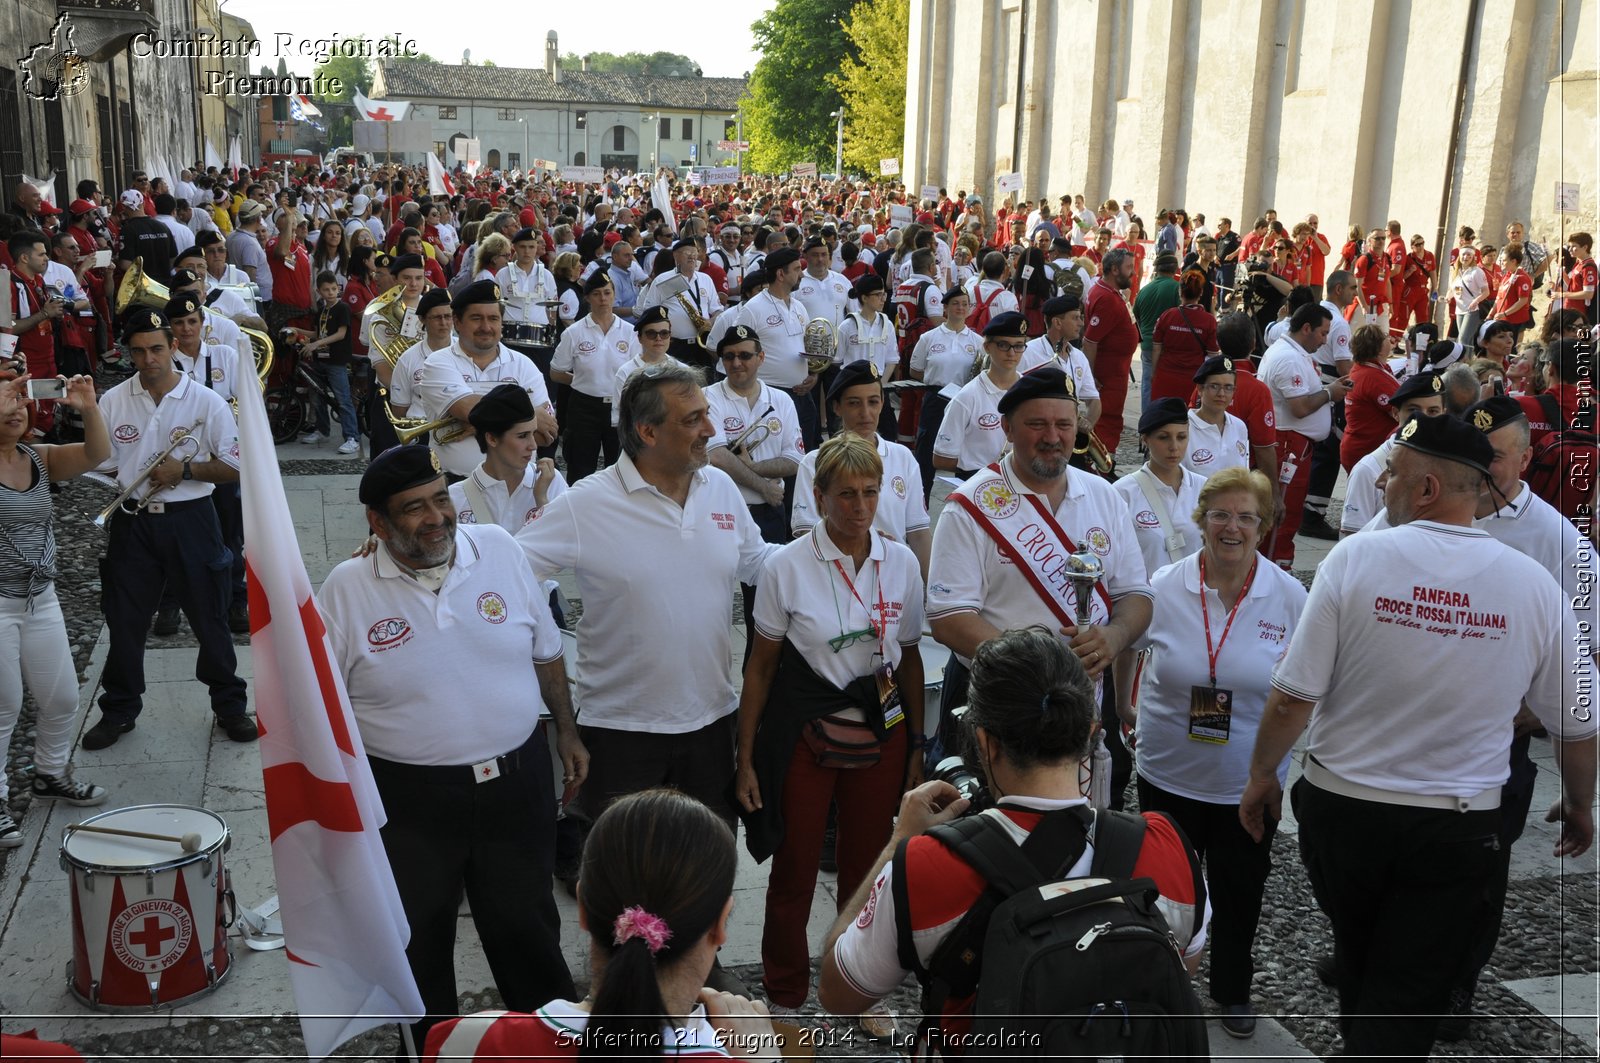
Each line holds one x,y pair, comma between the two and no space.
1062,968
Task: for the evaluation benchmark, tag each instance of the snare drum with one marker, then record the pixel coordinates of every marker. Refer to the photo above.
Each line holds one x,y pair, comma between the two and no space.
149,921
520,333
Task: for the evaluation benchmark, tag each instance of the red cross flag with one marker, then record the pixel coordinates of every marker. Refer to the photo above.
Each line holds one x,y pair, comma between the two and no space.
344,928
380,111
439,183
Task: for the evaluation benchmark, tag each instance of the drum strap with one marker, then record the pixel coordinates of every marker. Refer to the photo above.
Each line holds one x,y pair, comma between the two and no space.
476,499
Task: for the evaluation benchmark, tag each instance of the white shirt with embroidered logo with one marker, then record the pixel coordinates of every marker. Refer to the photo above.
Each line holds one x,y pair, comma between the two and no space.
1073,362
776,436
510,510
524,290
593,356
826,296
970,432
944,356
1213,448
141,431
781,327
220,373
407,374
398,645
801,596
900,506
652,574
449,375
968,573
859,340
1289,372
1147,526
701,295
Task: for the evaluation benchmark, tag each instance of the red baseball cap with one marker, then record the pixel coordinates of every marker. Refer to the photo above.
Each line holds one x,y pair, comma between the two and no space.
612,238
48,208
80,206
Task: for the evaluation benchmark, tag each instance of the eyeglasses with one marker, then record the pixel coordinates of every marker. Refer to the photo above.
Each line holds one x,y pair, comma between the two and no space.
1219,518
656,333
850,638
1222,389
1009,348
743,356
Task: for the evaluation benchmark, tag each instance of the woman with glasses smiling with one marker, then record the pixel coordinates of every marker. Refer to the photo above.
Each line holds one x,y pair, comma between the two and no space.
831,709
1222,619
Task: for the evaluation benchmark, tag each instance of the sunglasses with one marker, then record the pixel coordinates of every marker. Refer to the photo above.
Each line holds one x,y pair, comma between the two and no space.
656,333
743,356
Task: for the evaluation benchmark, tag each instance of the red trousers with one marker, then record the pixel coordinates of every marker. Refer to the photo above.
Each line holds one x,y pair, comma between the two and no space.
1413,309
868,799
1294,495
1111,376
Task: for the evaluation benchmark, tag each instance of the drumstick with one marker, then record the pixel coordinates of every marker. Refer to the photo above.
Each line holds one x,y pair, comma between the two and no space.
189,842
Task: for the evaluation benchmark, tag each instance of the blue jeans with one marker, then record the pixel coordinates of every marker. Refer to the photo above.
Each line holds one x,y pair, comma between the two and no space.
1146,373
339,380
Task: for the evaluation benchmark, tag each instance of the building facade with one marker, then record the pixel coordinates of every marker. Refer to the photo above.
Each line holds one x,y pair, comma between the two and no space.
568,117
1343,108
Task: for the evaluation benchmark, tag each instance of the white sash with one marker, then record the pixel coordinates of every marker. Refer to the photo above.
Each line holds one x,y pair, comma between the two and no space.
1177,545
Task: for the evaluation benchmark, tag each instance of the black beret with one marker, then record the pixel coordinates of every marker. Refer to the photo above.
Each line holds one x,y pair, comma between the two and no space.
473,294
1447,437
1423,385
955,292
1213,366
1493,413
1061,304
1045,382
503,407
781,259
183,305
816,242
182,278
397,469
383,260
866,285
656,315
406,262
681,244
1009,325
432,299
1161,413
526,234
600,278
143,319
756,278
856,373
738,334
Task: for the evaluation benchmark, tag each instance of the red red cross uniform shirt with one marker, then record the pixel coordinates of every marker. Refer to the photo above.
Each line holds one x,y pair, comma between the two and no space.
1252,404
1515,287
1584,275
1373,269
1395,251
38,344
1366,411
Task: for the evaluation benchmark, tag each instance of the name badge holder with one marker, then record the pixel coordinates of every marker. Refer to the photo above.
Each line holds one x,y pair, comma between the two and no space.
1211,706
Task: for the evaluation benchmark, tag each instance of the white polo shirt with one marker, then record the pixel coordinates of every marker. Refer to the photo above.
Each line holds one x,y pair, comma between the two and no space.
1289,372
1002,303
1336,348
701,294
777,436
1147,526
1534,527
1213,448
901,510
1211,771
449,375
407,374
1072,362
801,596
215,367
873,341
511,510
226,333
657,583
141,431
969,574
593,355
524,290
1485,625
781,327
944,357
825,297
1362,499
970,431
626,370
410,657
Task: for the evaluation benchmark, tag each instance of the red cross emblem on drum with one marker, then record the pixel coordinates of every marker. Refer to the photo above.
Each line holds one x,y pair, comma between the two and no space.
151,935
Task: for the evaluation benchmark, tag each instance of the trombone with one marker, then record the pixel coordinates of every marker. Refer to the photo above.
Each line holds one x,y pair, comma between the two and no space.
139,505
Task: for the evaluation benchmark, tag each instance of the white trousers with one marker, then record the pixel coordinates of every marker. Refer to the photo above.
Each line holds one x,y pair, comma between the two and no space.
34,650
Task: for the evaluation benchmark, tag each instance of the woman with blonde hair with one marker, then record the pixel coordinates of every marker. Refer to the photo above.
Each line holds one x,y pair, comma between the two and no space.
494,251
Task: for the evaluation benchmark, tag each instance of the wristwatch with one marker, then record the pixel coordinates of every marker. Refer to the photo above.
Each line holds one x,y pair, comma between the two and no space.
188,473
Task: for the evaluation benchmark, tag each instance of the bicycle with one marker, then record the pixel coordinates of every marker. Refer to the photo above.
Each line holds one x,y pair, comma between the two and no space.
289,405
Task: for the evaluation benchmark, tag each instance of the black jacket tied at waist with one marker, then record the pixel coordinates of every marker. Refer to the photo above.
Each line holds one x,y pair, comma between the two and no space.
798,695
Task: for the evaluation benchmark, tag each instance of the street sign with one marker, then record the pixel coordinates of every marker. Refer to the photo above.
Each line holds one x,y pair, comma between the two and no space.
888,167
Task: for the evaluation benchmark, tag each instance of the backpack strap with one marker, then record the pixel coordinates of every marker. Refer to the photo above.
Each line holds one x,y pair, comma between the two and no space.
1552,411
1118,837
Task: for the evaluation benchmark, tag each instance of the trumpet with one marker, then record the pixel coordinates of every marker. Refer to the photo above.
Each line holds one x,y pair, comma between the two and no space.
1095,453
121,502
819,340
406,429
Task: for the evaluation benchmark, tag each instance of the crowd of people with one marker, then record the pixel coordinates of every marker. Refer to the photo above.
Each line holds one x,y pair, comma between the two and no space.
681,393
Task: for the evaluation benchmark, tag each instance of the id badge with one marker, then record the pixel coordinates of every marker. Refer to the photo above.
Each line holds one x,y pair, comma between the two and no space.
1210,714
888,696
411,328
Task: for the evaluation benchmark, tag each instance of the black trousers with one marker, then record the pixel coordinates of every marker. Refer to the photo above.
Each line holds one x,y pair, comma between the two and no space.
933,406
380,433
1325,462
691,353
1121,759
230,518
181,548
1236,879
700,763
805,410
587,434
1403,888
1515,799
496,841
774,529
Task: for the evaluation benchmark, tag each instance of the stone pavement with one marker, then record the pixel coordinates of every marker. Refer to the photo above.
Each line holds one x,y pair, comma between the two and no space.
176,756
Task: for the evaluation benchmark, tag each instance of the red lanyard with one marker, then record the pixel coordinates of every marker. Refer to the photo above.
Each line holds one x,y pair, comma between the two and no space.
1205,615
879,625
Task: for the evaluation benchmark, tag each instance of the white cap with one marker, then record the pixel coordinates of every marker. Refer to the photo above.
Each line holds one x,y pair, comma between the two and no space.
359,204
133,199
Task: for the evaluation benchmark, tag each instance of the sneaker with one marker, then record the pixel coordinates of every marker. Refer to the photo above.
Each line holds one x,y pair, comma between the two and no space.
66,788
239,728
105,733
239,618
1316,526
877,1022
350,446
1239,1020
312,438
166,622
10,833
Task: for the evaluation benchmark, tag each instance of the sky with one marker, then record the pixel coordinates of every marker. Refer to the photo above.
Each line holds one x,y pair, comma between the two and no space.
720,42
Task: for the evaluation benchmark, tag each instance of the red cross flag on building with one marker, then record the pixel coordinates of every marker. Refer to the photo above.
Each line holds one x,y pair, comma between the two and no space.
344,929
380,111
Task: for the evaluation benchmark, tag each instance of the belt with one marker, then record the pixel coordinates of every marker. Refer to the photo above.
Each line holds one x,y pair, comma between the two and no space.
458,774
159,508
1323,779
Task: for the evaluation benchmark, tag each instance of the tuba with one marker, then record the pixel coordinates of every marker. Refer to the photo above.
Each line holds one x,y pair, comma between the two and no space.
137,289
819,340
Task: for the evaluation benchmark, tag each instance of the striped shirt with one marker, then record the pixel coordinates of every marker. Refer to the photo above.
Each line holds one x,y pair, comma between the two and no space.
27,535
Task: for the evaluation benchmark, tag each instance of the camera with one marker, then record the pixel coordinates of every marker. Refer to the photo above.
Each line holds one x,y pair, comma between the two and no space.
955,771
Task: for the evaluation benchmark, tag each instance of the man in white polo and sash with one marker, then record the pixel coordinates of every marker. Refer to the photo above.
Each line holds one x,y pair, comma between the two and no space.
1001,546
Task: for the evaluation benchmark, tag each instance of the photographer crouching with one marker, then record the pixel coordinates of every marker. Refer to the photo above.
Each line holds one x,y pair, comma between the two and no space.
1027,730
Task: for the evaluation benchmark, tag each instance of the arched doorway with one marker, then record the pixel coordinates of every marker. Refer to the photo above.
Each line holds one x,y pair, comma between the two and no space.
619,147
493,162
580,159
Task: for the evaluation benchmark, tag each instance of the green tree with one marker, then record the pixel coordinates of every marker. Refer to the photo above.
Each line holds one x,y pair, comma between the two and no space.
660,64
786,120
873,83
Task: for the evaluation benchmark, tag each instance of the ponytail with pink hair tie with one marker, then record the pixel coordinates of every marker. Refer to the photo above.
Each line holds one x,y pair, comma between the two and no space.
635,922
